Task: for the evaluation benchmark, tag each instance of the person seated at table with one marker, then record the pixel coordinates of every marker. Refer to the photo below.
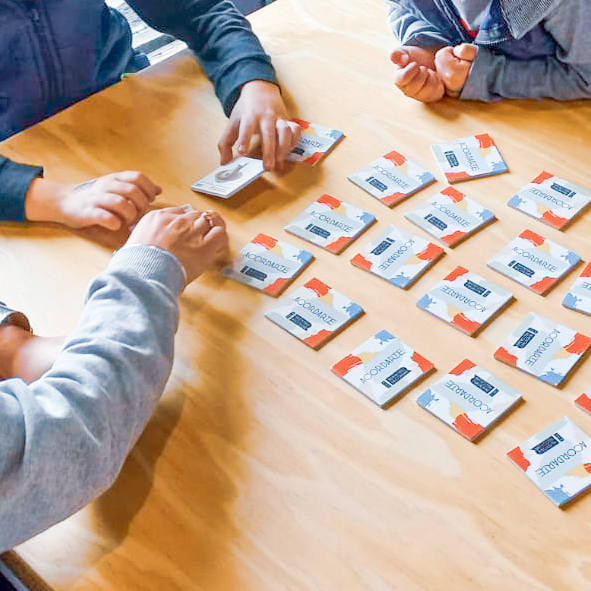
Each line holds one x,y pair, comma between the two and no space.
491,49
71,410
60,51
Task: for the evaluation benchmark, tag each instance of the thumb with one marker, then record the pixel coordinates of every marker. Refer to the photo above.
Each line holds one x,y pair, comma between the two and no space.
465,51
400,57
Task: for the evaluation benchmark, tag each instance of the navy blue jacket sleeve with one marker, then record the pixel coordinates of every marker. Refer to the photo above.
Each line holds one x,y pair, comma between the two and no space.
15,179
228,50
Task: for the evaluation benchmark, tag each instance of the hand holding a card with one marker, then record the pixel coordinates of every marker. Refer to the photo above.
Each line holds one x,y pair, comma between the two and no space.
260,110
110,201
198,239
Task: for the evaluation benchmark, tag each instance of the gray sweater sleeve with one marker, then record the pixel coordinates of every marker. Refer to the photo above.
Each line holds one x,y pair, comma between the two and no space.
66,435
563,76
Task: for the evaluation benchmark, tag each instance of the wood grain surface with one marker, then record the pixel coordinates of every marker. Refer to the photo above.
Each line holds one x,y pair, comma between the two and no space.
260,469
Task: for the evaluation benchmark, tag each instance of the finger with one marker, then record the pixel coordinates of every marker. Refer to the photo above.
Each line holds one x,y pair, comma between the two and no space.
105,219
417,83
247,127
131,192
144,183
465,51
120,206
214,218
227,140
269,139
406,75
400,57
286,138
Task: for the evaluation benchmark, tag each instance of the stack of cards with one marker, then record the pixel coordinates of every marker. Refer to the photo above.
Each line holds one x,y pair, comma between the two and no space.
544,349
552,200
398,256
557,460
468,158
330,223
268,264
314,313
315,143
382,368
465,300
534,261
391,178
579,295
450,216
584,401
228,179
469,399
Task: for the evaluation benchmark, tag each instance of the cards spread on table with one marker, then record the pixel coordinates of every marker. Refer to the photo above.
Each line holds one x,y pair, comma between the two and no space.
450,216
229,178
469,398
314,313
543,348
468,157
391,178
315,142
382,368
534,261
583,401
579,295
465,300
268,264
398,256
551,199
330,223
557,460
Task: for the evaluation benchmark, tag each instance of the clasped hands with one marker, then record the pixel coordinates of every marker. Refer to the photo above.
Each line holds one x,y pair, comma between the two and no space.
428,74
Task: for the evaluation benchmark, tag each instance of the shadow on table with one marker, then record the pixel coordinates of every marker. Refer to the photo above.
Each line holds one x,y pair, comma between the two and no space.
201,419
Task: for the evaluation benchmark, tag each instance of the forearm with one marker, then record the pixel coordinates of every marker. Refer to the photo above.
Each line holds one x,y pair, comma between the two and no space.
15,179
497,76
221,37
66,436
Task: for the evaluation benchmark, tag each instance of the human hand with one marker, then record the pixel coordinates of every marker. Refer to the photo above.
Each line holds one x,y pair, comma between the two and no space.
260,110
110,201
197,238
453,65
417,80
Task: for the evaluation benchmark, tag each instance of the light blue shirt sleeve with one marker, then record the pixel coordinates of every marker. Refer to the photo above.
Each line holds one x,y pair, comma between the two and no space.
66,435
410,27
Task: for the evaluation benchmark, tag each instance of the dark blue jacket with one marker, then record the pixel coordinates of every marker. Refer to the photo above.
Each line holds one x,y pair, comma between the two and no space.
55,52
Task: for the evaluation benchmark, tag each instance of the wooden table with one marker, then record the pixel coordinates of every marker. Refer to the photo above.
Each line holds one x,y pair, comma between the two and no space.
262,470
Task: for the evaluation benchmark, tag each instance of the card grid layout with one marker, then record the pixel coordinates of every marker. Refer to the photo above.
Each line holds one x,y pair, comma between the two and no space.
469,398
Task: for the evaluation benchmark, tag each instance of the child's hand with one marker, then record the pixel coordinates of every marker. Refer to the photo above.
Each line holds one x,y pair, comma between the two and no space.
111,201
415,80
453,64
260,110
